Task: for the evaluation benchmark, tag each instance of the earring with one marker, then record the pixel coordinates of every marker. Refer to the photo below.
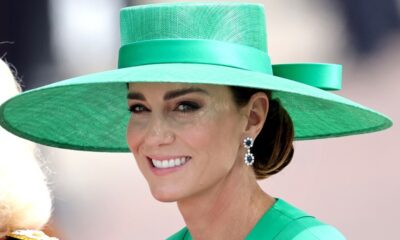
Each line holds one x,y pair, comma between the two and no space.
248,157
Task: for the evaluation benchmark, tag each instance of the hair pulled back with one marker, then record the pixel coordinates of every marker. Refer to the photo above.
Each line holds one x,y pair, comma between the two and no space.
273,148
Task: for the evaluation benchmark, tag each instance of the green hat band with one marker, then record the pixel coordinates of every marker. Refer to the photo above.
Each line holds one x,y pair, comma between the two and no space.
194,51
324,76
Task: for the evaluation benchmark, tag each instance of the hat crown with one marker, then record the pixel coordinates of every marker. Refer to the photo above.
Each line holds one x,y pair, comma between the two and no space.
240,23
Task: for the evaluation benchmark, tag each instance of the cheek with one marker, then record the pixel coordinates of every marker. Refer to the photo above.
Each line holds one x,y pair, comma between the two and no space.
134,133
216,148
215,140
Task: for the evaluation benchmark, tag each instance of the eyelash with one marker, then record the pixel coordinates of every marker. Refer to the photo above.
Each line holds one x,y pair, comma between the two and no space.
188,106
133,108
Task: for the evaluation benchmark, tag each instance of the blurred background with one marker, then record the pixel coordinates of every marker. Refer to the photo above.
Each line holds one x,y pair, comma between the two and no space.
352,182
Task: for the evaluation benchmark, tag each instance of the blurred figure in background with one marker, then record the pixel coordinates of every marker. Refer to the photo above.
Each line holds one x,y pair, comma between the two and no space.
25,201
369,23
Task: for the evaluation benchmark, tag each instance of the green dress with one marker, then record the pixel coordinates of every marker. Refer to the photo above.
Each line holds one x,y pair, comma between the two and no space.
283,222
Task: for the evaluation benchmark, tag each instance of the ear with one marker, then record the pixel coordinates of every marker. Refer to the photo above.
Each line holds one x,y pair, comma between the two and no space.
256,112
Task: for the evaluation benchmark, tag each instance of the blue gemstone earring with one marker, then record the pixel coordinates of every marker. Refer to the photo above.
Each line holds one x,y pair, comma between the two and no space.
248,157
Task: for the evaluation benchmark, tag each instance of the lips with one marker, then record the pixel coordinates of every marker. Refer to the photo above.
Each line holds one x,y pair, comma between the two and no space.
170,162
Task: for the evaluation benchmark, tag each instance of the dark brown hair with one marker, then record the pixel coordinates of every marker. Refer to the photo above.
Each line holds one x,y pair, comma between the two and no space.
273,147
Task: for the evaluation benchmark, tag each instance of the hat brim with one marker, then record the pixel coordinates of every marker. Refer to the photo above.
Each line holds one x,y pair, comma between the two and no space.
90,112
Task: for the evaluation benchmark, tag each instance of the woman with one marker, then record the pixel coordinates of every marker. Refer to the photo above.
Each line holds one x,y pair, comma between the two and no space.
209,116
25,201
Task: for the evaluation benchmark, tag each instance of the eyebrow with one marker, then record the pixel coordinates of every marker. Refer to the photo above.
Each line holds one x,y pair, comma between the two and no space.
180,92
136,96
169,95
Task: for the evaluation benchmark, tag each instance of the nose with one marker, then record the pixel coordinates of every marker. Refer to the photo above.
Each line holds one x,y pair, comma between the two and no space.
158,133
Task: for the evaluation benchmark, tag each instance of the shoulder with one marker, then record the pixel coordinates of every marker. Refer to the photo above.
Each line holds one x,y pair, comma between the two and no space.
309,228
283,221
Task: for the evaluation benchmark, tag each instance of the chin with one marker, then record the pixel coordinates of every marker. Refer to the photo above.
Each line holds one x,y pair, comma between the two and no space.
165,196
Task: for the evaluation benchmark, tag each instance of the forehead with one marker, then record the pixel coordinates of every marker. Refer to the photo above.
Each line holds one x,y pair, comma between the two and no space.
165,87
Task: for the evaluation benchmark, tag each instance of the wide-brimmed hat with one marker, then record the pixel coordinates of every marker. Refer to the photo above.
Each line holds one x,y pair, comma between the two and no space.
196,43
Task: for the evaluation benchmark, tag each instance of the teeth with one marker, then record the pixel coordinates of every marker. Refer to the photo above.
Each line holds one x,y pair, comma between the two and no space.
169,163
177,162
164,164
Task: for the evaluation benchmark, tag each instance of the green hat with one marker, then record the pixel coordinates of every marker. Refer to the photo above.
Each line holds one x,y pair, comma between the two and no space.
204,43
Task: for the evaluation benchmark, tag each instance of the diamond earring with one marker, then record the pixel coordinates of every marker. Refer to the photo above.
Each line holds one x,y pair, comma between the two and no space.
248,157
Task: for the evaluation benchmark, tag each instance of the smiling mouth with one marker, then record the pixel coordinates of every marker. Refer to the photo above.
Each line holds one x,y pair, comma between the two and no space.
169,163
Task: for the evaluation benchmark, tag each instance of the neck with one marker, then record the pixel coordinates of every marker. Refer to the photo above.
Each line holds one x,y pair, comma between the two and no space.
235,203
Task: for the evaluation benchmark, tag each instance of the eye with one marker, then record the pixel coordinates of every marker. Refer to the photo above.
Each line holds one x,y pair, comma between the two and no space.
137,108
187,106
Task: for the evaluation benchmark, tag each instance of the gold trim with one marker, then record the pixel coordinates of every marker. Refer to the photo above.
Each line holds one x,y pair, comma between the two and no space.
30,235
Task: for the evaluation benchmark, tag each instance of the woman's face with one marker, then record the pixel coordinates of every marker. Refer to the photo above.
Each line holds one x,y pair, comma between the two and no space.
185,137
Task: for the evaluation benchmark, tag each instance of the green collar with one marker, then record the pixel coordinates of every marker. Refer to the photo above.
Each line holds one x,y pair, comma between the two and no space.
267,227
